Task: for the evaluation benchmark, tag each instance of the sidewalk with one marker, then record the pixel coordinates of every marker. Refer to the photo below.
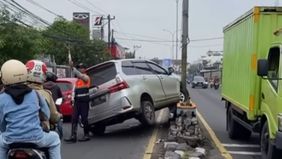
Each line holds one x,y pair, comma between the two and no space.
166,147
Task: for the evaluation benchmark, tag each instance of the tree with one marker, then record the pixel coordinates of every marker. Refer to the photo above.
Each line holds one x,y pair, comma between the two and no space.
64,36
17,41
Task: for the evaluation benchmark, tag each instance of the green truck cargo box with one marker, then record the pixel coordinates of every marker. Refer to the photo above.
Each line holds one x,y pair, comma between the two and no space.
251,100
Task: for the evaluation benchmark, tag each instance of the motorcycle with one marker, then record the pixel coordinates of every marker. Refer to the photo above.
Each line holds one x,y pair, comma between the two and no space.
30,150
27,151
216,85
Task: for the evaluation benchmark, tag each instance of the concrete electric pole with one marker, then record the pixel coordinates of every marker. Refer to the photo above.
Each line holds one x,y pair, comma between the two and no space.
176,34
185,41
109,30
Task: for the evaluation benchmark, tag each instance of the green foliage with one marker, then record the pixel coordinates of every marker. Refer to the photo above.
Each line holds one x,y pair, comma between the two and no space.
24,43
16,41
67,36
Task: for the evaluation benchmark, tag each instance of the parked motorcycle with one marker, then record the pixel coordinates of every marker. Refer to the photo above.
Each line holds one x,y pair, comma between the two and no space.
27,151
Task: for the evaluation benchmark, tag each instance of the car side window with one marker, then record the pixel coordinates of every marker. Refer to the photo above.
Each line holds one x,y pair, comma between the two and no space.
273,67
128,68
157,69
142,68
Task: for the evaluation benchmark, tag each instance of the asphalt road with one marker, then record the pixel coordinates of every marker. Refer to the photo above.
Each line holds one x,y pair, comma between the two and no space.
127,140
213,110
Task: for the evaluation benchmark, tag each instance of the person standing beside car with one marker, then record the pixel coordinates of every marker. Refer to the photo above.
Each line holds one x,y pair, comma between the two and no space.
81,103
56,94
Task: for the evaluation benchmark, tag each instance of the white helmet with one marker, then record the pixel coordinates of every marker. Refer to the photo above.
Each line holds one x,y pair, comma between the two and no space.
13,72
36,71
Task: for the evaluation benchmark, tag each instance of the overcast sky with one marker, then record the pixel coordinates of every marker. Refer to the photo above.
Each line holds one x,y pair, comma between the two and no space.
155,21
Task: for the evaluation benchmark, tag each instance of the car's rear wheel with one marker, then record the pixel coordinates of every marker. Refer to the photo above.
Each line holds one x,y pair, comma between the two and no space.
147,116
98,129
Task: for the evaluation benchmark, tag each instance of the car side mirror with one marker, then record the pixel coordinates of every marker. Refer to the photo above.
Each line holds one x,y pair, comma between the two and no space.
262,67
59,101
170,70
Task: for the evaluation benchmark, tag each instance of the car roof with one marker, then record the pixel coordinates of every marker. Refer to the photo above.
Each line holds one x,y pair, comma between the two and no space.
72,80
119,61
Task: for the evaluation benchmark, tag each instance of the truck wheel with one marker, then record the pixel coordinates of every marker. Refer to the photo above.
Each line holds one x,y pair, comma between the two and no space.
235,130
232,125
147,113
268,151
98,129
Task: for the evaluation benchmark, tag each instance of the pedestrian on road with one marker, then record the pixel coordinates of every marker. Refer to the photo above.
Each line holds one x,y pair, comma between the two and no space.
50,85
81,103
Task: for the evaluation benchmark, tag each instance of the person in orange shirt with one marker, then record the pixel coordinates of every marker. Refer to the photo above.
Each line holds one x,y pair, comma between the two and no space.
81,104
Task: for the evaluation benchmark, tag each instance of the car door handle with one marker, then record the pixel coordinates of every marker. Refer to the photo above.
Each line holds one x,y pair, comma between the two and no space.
161,77
262,95
144,78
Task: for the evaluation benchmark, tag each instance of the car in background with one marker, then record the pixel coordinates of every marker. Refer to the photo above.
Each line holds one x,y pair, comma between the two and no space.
67,86
199,81
132,89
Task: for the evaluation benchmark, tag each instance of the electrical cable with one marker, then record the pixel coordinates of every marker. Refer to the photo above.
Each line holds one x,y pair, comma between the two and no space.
42,7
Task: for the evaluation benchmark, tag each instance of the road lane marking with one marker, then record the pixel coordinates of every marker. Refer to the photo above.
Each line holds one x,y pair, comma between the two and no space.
242,145
151,144
245,153
218,144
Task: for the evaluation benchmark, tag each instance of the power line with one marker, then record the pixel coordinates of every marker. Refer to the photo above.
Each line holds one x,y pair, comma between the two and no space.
207,39
94,6
40,6
145,36
82,6
165,41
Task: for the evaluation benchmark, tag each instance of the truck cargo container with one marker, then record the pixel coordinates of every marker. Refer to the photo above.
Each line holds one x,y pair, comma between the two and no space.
251,80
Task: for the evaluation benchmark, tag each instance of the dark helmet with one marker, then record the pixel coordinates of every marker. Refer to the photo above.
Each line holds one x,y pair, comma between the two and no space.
80,66
50,76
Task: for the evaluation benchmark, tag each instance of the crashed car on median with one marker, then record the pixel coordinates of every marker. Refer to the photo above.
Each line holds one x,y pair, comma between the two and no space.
130,88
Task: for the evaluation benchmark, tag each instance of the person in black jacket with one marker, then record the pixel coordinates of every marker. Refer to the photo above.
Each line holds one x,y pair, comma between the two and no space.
50,85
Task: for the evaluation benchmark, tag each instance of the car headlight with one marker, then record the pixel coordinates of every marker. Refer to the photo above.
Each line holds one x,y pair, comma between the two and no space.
279,116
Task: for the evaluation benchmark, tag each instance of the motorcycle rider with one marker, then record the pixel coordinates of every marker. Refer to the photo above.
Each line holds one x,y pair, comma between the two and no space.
36,77
50,85
19,109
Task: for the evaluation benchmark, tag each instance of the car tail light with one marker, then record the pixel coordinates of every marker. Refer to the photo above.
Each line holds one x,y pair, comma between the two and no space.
21,155
118,87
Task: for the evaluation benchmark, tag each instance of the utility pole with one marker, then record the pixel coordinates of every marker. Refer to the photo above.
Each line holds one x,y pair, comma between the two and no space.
185,41
109,29
176,34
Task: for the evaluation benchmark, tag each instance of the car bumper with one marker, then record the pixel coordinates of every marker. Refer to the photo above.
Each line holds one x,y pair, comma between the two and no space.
111,108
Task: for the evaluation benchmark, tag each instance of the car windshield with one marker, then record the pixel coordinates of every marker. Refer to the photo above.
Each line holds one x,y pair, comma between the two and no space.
199,79
65,86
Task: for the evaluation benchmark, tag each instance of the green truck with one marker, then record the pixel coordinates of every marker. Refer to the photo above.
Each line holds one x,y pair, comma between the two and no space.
251,79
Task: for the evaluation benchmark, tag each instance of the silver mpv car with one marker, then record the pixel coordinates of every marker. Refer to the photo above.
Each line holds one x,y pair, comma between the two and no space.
130,88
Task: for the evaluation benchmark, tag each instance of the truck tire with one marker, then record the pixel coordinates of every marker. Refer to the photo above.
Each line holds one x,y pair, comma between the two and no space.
147,116
232,125
98,129
268,151
235,130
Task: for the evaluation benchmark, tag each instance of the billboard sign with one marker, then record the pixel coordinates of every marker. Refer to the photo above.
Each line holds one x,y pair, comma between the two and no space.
82,18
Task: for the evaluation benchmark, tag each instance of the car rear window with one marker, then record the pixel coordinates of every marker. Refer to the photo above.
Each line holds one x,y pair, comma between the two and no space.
199,79
65,86
102,74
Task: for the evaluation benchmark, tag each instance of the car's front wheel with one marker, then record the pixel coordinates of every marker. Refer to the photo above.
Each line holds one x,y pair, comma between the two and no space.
147,116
